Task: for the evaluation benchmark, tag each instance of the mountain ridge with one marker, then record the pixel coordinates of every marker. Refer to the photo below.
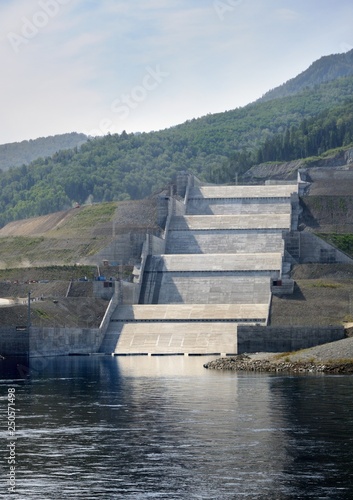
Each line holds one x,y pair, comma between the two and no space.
323,70
215,147
16,154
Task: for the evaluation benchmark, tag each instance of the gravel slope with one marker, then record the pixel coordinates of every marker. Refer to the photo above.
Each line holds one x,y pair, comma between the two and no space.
339,350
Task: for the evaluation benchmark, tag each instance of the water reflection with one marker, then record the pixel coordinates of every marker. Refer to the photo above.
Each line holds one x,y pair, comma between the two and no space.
164,427
318,410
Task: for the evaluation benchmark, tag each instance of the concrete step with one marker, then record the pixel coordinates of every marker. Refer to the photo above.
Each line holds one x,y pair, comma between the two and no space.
266,191
212,290
178,338
229,222
205,288
225,242
192,312
219,262
228,206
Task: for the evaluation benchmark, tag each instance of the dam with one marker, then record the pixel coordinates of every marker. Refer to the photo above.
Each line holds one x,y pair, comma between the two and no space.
213,270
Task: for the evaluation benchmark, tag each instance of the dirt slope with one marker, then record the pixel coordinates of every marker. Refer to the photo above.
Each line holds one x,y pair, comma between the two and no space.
37,226
75,236
323,295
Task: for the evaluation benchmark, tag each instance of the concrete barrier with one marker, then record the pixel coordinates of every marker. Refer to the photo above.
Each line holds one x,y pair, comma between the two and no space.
43,342
14,341
63,341
284,339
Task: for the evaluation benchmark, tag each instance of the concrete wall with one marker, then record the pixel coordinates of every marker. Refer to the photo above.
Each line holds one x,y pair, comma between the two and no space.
125,249
286,287
130,293
157,245
110,309
175,207
64,341
179,208
104,289
284,339
162,210
229,206
209,241
181,183
205,288
13,342
295,214
167,207
313,249
189,186
43,342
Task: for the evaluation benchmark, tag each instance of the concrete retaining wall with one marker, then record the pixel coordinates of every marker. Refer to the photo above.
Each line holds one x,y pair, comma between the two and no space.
314,249
125,249
13,342
64,341
41,342
162,210
229,206
189,186
284,339
175,207
181,183
206,288
157,245
179,208
104,289
109,311
224,241
130,293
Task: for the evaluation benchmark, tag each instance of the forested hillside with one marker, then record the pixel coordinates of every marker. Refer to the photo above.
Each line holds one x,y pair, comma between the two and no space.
329,130
16,154
130,166
323,70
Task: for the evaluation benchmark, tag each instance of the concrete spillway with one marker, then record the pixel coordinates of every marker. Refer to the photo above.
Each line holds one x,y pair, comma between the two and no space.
184,328
220,262
229,222
214,274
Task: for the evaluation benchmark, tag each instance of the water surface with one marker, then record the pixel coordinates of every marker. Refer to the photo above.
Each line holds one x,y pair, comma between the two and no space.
166,428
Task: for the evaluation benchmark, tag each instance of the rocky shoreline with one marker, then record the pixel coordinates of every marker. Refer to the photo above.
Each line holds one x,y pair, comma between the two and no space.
280,364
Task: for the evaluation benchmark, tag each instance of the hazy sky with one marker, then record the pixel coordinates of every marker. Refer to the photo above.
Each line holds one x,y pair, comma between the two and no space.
95,66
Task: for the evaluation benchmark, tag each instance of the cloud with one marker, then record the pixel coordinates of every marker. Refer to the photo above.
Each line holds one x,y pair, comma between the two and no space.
287,15
92,52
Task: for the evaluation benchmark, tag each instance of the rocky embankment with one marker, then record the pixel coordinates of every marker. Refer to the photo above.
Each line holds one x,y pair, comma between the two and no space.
282,363
341,159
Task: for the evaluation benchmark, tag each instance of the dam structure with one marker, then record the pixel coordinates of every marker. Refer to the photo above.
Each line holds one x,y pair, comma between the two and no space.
213,270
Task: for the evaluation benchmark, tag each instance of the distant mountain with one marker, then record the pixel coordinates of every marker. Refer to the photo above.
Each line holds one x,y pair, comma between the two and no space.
323,70
217,147
16,154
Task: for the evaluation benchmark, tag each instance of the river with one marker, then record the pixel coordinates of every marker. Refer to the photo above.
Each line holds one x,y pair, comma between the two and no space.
166,428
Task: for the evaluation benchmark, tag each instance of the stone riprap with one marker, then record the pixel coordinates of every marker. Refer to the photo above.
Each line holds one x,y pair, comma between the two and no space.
244,363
